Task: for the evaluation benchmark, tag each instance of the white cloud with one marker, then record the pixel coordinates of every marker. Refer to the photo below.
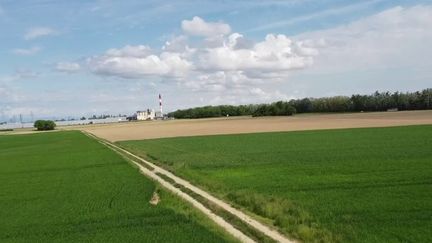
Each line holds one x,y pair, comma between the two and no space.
130,51
216,81
136,64
397,37
67,67
176,44
275,53
26,52
198,27
37,32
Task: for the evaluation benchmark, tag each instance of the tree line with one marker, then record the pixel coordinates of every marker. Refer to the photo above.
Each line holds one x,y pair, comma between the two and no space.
378,101
280,108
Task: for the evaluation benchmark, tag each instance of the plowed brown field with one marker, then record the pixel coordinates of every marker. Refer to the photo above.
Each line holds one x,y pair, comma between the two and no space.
232,125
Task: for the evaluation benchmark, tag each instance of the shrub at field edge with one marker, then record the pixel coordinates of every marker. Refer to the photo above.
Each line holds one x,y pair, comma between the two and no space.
44,125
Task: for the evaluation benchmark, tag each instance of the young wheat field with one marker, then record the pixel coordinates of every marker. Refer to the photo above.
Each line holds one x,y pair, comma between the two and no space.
66,187
347,185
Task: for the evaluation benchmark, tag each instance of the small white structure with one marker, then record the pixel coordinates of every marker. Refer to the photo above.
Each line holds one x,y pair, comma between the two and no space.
159,115
145,115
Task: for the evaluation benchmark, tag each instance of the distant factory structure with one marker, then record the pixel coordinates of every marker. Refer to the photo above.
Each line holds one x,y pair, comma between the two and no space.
150,114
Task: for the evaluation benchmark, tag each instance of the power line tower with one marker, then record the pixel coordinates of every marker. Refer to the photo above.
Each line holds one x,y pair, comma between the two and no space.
21,121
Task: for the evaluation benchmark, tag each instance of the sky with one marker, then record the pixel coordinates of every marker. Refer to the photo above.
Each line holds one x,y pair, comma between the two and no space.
78,58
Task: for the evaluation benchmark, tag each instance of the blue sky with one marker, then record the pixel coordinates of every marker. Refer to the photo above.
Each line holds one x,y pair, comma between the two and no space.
73,58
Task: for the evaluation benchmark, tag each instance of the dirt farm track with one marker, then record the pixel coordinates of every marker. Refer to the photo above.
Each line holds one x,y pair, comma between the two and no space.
175,128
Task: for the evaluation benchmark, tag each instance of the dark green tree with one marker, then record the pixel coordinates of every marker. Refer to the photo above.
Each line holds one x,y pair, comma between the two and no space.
44,125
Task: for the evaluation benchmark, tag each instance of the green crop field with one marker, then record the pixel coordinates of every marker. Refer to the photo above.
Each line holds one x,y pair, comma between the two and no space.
349,185
66,187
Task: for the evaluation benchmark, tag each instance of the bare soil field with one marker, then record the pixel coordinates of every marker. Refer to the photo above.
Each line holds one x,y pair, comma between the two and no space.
234,125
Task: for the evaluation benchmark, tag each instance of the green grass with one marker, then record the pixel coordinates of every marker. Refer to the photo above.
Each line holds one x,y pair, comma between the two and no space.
349,185
227,216
66,187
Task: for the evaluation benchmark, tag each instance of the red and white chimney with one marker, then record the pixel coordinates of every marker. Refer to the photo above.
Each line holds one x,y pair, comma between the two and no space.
160,104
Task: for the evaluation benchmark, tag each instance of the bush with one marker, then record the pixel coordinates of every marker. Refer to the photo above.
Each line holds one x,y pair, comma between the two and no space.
44,125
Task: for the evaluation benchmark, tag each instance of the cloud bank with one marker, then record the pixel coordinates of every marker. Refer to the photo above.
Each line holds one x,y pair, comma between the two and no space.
217,61
394,38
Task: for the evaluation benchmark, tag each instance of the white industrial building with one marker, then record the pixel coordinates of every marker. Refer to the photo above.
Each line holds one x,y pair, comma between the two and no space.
145,115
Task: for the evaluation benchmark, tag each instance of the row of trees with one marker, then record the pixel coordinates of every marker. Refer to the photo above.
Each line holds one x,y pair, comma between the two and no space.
378,101
420,100
213,111
280,108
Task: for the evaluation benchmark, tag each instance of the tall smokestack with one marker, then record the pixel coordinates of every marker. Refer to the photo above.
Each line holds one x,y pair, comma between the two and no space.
160,104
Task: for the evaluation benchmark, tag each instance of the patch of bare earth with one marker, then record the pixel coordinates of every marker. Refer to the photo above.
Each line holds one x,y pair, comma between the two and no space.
176,128
155,199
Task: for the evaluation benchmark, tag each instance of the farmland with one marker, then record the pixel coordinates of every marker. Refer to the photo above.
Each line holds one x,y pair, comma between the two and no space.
176,128
66,187
349,185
